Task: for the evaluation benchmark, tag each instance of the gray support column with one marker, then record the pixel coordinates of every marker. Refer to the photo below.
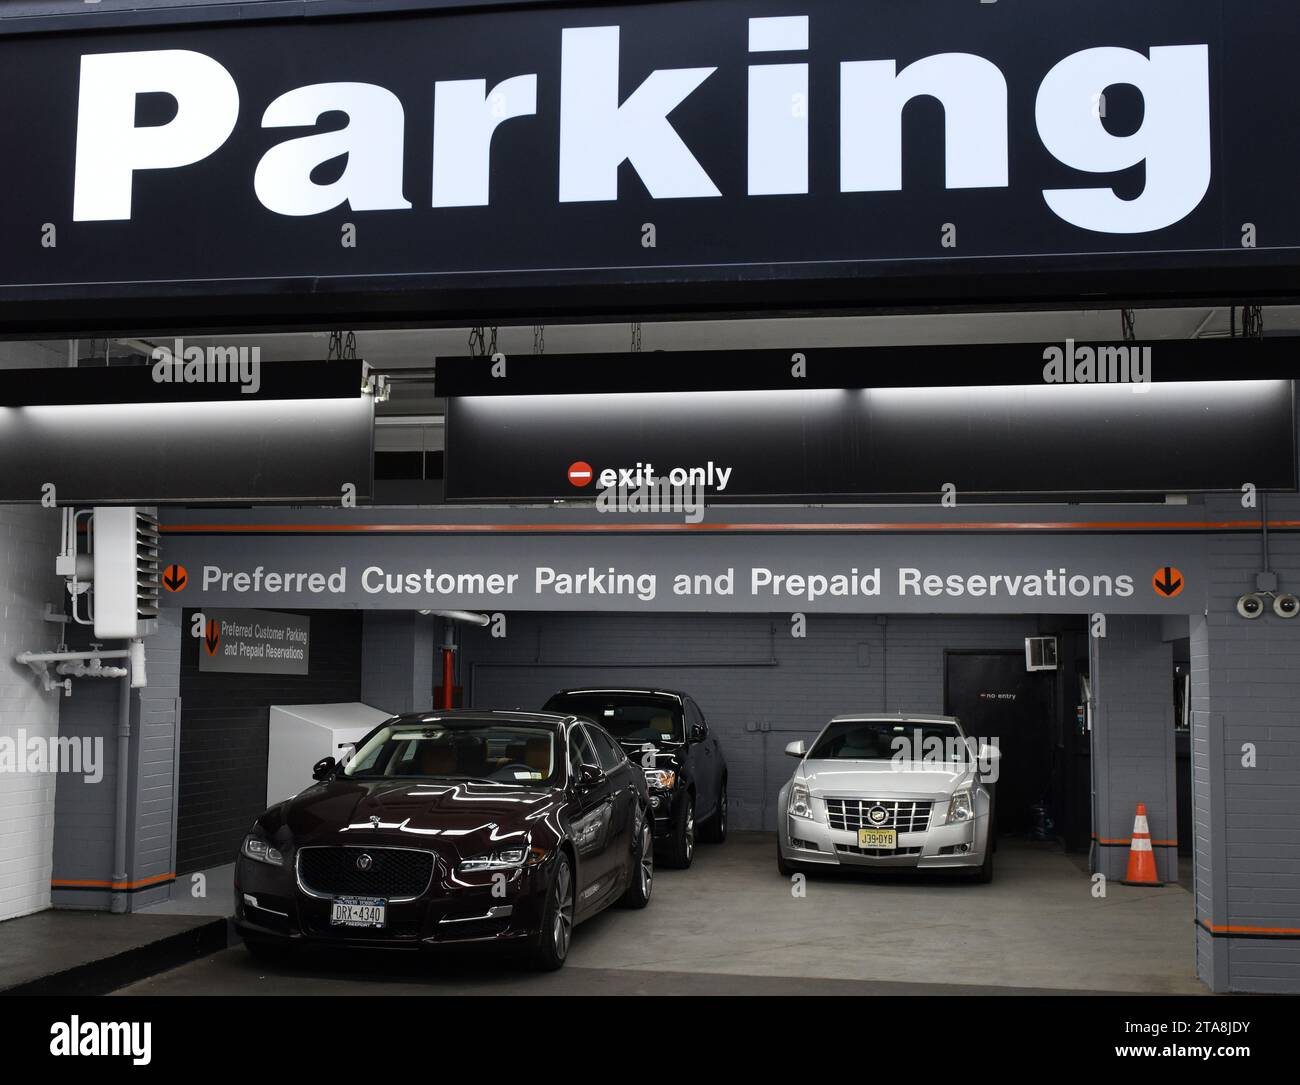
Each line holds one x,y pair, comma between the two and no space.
1246,735
86,863
397,665
1208,815
155,738
1133,743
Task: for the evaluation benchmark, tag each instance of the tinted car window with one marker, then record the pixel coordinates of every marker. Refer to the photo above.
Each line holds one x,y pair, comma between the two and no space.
575,755
611,757
580,745
882,740
461,749
628,717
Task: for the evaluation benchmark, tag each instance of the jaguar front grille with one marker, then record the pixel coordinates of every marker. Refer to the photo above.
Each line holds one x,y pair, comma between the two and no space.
390,873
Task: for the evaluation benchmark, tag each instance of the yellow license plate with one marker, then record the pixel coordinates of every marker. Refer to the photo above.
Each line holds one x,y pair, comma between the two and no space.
878,838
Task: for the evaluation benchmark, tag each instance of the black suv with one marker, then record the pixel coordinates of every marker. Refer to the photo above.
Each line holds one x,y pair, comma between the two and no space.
665,733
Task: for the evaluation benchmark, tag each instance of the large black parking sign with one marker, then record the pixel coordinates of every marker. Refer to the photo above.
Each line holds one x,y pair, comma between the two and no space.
717,153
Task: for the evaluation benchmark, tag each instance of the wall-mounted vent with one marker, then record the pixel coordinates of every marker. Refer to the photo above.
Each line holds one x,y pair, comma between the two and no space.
124,544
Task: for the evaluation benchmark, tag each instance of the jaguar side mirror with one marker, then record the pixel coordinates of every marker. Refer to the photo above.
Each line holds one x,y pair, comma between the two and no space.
322,769
589,776
797,748
697,732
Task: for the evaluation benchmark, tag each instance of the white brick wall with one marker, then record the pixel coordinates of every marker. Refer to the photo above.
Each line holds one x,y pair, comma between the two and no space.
29,539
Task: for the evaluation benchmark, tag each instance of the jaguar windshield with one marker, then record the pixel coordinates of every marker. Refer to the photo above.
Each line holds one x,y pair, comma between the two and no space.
458,750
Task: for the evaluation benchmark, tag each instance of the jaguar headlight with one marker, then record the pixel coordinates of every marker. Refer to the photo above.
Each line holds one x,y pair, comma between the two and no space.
507,858
800,804
960,807
257,848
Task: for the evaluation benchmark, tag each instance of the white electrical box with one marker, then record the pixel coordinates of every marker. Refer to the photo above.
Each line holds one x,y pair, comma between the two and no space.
300,735
124,552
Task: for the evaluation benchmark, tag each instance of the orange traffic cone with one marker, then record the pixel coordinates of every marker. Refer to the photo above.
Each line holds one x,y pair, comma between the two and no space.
1141,859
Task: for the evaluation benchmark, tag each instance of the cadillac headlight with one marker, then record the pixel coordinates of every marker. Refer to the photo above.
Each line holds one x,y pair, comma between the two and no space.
800,804
960,807
257,848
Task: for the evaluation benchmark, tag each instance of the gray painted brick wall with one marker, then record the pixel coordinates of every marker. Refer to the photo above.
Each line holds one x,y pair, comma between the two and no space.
86,812
155,734
1246,690
758,686
397,665
1133,741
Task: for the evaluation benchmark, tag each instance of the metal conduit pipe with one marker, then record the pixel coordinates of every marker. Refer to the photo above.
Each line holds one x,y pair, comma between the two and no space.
91,670
118,902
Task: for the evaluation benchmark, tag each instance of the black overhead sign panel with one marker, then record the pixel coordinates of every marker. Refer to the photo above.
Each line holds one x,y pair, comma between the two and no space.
819,443
193,425
947,365
711,155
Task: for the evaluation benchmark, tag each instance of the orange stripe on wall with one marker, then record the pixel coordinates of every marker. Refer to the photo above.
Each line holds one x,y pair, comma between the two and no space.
581,529
1230,928
72,883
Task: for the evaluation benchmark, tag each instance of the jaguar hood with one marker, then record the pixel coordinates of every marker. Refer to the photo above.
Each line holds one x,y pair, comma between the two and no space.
411,811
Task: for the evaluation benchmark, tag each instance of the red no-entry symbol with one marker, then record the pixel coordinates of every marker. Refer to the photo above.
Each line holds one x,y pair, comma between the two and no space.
580,473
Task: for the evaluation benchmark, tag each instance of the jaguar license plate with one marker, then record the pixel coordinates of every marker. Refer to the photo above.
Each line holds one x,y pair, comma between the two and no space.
358,912
886,839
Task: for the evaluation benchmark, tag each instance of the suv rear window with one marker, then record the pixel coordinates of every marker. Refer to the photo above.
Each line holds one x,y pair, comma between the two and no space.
628,717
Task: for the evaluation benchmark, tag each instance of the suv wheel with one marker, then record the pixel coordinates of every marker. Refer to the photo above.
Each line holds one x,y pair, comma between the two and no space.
715,829
681,845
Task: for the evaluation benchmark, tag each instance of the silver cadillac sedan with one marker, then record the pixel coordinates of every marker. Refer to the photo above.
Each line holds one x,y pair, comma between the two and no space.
879,790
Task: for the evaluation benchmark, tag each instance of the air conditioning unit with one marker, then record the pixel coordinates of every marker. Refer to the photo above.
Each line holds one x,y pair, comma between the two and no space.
1040,653
126,585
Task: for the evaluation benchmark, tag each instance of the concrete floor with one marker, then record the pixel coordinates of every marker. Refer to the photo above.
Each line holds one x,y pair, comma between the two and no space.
40,948
218,895
730,925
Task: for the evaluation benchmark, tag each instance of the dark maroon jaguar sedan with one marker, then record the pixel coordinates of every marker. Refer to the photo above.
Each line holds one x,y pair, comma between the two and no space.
452,828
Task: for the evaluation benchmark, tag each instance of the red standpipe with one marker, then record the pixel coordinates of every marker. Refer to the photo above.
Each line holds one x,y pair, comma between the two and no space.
448,676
